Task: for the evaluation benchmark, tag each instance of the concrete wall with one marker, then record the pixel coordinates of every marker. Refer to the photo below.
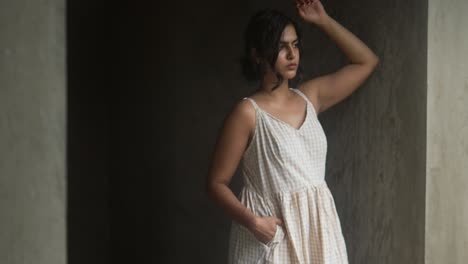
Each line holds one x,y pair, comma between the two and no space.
376,161
447,130
376,158
32,132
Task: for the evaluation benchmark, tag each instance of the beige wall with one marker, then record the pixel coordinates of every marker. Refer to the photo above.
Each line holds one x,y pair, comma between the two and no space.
32,132
447,131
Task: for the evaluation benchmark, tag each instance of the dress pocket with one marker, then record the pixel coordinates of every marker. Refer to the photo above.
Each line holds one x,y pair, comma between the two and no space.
278,237
270,247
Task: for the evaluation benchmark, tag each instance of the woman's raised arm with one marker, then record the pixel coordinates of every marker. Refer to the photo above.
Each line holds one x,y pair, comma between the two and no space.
327,90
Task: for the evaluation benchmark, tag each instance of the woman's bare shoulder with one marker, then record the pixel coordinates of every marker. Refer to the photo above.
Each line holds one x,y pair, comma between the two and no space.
244,109
242,114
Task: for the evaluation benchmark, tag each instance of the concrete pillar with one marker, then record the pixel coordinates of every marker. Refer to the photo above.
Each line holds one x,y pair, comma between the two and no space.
447,131
32,132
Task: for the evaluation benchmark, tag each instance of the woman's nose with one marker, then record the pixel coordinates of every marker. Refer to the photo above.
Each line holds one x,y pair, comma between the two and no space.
291,54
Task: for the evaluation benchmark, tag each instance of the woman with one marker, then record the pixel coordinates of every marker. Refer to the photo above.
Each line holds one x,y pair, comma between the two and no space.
285,212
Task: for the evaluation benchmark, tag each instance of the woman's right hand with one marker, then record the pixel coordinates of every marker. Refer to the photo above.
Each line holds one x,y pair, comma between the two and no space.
264,228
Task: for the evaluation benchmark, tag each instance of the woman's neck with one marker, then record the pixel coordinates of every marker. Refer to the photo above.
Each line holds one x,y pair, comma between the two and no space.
282,91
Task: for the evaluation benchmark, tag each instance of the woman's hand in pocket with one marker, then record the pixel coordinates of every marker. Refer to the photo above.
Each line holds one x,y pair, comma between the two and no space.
265,228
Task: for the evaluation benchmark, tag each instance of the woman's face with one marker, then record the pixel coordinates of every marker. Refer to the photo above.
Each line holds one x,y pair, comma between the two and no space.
288,56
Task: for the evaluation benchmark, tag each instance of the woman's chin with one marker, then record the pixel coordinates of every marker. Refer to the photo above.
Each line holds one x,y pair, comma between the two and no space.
290,76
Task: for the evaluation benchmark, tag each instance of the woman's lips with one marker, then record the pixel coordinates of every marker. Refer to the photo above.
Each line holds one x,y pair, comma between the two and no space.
292,66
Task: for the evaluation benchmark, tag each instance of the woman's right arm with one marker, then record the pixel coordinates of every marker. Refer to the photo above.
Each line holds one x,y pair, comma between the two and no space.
230,146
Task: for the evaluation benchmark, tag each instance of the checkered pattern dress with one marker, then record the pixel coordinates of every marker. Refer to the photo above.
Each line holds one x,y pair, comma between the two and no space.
284,175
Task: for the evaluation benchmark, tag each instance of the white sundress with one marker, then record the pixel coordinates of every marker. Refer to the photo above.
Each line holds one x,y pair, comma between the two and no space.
283,169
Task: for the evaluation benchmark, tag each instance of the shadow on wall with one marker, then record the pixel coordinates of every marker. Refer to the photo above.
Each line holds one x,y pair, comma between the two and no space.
114,188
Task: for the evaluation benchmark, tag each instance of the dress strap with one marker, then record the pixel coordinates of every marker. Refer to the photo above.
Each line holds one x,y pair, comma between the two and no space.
253,102
300,93
305,98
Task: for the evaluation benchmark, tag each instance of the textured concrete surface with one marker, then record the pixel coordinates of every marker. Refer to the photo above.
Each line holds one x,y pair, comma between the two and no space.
447,130
376,158
377,144
32,132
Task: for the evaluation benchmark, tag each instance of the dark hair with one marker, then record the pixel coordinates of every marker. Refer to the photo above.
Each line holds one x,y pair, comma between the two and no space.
263,33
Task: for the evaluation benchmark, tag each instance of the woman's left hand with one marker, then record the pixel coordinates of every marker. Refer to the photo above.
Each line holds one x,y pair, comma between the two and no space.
311,11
